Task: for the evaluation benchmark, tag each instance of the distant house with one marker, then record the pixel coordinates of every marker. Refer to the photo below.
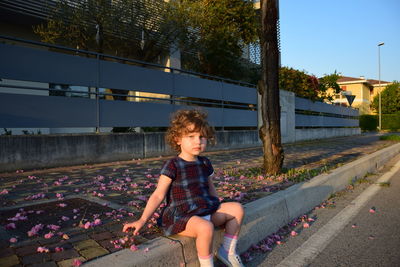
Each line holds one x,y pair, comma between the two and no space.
363,89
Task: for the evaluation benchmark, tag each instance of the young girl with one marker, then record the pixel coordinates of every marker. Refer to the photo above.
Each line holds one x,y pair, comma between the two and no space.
193,208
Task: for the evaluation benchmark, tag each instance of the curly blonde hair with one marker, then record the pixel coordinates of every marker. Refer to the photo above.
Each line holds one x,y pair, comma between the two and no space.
180,122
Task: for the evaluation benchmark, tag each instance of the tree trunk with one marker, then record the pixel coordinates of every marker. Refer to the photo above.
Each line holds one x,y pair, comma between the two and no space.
268,86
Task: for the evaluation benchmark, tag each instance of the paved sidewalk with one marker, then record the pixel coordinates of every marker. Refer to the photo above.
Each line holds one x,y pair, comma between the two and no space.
89,203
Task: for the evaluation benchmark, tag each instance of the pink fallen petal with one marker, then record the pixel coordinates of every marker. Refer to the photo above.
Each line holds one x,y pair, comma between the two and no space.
310,219
87,225
65,237
65,218
134,248
58,249
42,250
76,263
62,205
13,240
293,233
306,225
4,192
372,210
53,227
146,250
10,226
354,226
48,235
278,242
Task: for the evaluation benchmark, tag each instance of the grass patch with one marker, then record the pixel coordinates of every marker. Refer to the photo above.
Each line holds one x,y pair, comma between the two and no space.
363,181
391,137
384,184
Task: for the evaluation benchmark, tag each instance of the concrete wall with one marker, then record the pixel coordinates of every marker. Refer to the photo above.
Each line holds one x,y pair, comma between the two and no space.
46,151
321,133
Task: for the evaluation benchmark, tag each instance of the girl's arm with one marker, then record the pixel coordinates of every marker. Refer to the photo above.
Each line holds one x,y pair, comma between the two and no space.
152,204
211,186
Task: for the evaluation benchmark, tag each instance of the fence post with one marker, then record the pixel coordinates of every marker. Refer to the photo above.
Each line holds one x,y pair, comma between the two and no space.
97,95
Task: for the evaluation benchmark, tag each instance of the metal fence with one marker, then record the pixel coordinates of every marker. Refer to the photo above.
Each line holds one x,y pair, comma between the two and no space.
49,86
151,92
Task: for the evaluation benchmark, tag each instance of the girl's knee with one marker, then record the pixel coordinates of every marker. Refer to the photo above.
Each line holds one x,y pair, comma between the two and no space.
238,209
205,227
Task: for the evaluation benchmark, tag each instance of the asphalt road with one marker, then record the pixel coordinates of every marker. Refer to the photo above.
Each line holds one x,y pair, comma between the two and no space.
357,227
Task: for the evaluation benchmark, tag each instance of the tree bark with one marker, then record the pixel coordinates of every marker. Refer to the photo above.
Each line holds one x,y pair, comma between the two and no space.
268,86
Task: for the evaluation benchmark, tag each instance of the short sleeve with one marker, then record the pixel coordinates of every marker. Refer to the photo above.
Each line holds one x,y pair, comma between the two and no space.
209,167
169,169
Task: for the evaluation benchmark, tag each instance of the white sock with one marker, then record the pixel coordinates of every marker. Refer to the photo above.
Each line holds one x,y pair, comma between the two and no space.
206,261
229,243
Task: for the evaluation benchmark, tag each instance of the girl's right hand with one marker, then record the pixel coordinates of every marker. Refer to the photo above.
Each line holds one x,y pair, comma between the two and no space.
136,225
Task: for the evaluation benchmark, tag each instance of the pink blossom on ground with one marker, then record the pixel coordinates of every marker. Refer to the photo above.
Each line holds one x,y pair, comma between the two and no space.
75,210
42,250
76,262
65,237
10,226
146,250
87,225
65,218
13,240
58,249
62,205
134,248
53,227
35,229
372,210
306,225
48,235
18,217
293,233
4,192
97,222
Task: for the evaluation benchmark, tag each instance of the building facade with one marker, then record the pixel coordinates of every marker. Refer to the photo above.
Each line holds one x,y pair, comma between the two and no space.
364,91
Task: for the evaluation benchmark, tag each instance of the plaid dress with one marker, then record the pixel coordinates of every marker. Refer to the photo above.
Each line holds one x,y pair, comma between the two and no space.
188,194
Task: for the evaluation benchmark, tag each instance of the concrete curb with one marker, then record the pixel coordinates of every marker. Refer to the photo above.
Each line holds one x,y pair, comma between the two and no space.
263,216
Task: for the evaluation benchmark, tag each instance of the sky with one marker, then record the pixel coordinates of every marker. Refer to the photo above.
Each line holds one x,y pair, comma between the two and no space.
321,36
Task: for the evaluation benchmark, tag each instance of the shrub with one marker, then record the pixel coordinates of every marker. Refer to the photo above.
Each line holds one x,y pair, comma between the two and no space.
391,121
368,122
391,137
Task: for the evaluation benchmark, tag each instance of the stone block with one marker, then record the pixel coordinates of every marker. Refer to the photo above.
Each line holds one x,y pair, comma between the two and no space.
93,252
86,244
69,262
64,255
35,258
23,251
9,261
102,236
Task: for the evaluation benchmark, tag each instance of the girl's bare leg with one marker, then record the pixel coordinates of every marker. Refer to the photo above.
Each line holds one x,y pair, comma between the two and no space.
231,215
203,231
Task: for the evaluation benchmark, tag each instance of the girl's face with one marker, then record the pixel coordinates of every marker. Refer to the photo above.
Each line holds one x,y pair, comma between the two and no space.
192,144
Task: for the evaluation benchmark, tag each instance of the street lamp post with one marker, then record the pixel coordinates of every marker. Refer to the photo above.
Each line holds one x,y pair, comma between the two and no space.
379,82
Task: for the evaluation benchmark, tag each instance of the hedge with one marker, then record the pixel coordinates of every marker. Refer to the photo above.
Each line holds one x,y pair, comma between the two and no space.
389,122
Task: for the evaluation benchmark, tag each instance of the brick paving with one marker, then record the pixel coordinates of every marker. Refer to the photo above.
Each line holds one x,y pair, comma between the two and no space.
120,190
